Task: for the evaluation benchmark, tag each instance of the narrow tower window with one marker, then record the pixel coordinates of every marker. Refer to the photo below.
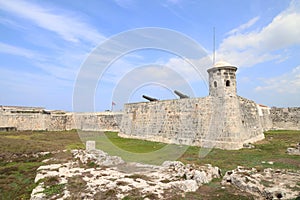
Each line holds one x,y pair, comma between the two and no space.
227,83
215,84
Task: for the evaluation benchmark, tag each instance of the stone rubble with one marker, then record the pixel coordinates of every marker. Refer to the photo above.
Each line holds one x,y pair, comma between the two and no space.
111,173
97,156
266,184
294,151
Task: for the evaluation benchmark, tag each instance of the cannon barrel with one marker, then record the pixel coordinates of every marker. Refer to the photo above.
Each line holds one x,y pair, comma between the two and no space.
182,96
149,98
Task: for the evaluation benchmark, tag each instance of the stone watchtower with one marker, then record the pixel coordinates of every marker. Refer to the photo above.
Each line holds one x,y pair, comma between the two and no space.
222,80
226,125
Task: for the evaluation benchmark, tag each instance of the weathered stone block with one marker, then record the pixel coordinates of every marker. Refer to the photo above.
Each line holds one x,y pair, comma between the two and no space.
90,145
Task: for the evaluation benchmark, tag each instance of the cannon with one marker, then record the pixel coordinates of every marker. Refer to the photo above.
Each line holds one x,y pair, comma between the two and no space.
182,96
149,98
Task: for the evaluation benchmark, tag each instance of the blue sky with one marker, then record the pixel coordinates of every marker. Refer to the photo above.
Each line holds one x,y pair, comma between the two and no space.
43,45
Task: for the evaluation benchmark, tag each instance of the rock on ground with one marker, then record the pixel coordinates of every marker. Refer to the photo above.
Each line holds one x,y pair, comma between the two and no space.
96,175
294,151
266,184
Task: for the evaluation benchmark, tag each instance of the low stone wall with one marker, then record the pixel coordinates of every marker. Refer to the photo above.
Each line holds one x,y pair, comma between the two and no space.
56,122
285,118
23,119
100,121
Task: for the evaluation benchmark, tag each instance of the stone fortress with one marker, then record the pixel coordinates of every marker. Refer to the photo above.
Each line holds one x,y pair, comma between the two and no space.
223,119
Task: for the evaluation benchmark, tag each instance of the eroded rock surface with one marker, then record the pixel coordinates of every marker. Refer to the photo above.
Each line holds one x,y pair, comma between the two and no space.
266,184
111,177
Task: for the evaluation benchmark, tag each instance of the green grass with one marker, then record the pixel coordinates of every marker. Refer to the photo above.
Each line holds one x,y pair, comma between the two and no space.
126,144
133,145
133,149
78,145
54,189
273,148
17,179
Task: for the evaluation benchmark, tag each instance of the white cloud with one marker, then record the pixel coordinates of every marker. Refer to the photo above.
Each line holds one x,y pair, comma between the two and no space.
191,70
11,23
18,51
21,79
59,61
59,67
68,25
124,3
34,89
161,76
250,48
288,83
244,26
134,71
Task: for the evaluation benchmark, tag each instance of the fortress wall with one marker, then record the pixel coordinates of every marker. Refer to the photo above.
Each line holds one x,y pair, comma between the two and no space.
38,120
265,117
56,122
251,120
225,124
184,121
24,121
235,121
101,121
285,118
70,122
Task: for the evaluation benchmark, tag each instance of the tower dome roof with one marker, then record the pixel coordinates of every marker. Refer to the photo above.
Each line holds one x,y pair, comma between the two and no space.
223,64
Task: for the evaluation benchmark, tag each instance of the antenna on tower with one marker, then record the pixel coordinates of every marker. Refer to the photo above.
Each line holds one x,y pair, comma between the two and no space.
214,45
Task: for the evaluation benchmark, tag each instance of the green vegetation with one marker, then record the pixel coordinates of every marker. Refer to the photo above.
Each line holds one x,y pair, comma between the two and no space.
273,148
133,145
52,186
17,179
131,149
18,164
54,189
104,141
